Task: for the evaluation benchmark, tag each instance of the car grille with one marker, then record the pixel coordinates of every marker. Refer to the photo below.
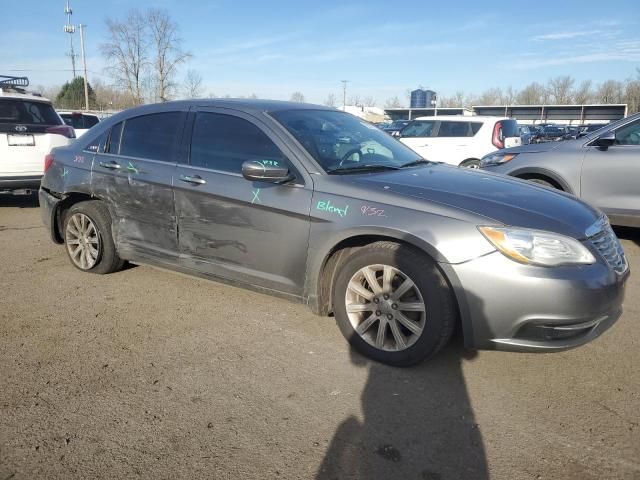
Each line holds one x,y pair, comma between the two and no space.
609,247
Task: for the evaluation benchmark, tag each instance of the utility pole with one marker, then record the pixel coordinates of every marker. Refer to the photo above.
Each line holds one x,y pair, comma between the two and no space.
344,94
84,65
70,29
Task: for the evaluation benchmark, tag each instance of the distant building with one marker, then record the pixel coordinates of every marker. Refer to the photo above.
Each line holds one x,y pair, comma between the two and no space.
421,98
526,114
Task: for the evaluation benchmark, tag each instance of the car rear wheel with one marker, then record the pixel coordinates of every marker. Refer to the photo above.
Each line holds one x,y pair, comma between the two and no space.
393,304
88,240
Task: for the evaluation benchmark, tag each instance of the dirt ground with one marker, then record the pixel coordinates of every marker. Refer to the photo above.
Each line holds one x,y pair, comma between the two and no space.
146,373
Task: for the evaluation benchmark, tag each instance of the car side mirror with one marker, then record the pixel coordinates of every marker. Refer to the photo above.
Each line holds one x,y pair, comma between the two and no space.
605,140
396,134
274,171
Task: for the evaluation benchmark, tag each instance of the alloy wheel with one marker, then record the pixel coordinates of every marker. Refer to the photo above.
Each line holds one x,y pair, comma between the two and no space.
385,307
83,241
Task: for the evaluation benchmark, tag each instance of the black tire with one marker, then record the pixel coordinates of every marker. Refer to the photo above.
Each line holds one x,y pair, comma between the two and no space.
471,163
440,308
107,260
543,182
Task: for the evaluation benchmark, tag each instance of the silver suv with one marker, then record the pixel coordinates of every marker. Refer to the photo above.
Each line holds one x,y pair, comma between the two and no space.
602,168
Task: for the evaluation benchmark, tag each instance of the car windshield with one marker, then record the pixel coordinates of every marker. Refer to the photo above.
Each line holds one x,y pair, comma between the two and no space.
340,141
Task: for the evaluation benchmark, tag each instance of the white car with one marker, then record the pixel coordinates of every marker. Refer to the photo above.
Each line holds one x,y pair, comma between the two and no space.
80,121
460,140
29,129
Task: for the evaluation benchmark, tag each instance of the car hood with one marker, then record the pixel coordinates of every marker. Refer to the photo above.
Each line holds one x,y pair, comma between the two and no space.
496,197
534,147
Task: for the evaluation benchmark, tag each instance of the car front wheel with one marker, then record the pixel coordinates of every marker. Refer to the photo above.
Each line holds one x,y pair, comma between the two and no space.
393,304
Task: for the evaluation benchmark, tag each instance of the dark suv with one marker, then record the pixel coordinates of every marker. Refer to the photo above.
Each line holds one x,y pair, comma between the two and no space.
320,207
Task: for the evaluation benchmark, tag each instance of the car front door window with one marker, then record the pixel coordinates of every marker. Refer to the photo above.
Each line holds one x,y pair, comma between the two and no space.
629,134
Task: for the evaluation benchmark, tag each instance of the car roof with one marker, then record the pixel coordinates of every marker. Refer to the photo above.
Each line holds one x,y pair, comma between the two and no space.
23,96
243,104
464,118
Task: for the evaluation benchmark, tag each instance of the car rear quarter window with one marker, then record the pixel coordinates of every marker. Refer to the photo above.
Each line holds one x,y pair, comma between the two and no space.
24,112
458,129
224,142
419,128
151,136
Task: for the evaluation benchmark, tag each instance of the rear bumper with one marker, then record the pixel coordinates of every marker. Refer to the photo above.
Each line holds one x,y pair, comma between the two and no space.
508,306
49,213
30,182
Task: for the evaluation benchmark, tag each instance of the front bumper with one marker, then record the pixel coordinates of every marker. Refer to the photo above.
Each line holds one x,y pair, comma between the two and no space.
508,306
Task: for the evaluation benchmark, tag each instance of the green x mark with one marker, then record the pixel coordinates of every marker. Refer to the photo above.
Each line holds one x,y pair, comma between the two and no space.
132,168
256,196
65,172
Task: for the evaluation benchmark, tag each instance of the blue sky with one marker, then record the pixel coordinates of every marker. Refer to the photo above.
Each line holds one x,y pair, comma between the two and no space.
273,48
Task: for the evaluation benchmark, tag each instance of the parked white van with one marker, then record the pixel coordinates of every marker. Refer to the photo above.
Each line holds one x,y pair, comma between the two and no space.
460,140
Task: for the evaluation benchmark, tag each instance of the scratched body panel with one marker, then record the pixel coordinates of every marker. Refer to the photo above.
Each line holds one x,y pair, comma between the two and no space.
251,232
140,197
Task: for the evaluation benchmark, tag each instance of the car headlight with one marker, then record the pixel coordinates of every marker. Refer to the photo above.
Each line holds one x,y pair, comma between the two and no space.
497,158
536,247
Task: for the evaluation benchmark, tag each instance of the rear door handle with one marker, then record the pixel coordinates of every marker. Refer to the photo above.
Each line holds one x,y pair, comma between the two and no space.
193,180
110,165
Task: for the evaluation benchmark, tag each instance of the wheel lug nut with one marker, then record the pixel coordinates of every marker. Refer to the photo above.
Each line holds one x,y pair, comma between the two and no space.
378,312
376,300
386,296
394,306
389,316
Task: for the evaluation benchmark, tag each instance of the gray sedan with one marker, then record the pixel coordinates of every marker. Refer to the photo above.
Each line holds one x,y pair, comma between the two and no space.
602,168
320,207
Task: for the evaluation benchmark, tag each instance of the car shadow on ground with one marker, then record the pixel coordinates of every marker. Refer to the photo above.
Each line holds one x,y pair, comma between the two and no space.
19,201
628,233
417,423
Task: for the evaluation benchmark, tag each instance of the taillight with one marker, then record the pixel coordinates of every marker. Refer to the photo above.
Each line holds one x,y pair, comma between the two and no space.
48,161
497,138
64,130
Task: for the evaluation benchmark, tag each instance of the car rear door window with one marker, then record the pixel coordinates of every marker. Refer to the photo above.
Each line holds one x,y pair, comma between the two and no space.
419,128
151,136
223,142
509,128
113,142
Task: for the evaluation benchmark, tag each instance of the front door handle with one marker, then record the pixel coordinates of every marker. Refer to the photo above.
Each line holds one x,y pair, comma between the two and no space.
193,180
110,165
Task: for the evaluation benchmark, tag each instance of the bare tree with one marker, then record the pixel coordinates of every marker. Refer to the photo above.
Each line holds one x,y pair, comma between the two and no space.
126,53
297,97
331,100
492,96
632,94
369,101
560,89
610,91
193,84
354,100
167,51
393,103
583,93
532,94
509,96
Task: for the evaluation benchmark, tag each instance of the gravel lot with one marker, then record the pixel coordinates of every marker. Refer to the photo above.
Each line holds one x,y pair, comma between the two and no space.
146,373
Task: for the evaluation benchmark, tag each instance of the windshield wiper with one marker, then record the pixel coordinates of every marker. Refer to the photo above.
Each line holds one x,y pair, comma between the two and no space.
420,161
362,168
